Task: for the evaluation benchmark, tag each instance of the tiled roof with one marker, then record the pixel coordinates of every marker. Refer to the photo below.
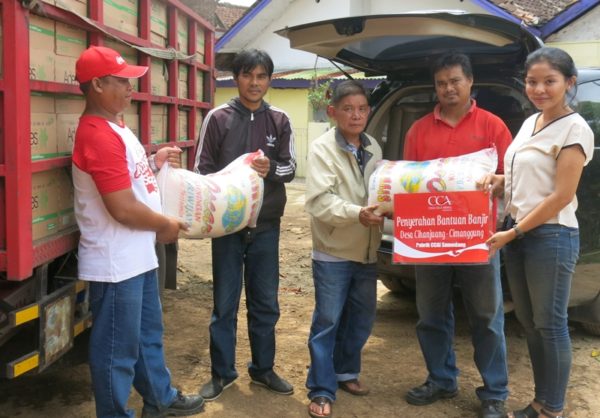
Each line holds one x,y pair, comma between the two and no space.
534,12
229,13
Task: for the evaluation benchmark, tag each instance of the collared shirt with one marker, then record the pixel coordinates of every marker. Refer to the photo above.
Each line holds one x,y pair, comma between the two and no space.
431,137
359,154
531,165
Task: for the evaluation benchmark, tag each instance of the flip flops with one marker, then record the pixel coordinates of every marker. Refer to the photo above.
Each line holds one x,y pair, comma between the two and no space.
321,401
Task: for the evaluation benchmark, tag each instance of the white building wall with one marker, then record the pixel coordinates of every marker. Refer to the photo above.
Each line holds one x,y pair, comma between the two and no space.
585,28
260,32
581,39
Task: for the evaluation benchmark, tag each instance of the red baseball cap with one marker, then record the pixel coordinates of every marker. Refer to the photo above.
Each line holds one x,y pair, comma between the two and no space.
98,61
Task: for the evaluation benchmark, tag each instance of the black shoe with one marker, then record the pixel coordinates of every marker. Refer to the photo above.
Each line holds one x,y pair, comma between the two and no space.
427,394
182,406
274,383
492,408
213,389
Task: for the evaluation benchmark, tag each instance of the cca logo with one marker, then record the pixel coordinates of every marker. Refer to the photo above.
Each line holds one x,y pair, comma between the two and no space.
438,201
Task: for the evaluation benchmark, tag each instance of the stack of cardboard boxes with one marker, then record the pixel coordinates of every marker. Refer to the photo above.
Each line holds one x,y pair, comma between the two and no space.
54,49
158,124
158,23
131,117
182,33
53,124
122,15
54,121
51,202
159,76
182,81
76,6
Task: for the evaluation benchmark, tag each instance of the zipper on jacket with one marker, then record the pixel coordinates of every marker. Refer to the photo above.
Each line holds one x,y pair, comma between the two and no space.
252,116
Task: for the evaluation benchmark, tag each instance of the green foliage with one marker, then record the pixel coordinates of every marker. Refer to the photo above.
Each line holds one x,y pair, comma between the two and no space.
319,94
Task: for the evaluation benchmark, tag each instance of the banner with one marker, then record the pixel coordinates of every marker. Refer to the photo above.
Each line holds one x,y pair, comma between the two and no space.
443,228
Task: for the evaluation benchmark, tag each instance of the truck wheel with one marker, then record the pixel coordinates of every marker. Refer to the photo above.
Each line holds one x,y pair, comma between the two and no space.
592,329
397,285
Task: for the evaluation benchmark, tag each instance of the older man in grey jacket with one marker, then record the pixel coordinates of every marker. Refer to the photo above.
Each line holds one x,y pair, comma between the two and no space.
346,235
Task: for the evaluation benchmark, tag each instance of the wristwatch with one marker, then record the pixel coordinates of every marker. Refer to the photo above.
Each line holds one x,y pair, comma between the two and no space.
520,234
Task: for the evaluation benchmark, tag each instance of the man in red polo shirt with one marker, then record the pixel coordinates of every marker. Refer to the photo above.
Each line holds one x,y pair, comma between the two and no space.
456,127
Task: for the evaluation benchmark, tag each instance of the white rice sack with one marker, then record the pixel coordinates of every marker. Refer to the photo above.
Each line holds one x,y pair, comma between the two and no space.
216,204
441,175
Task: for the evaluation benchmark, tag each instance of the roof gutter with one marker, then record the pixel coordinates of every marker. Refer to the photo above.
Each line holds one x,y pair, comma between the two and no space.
241,24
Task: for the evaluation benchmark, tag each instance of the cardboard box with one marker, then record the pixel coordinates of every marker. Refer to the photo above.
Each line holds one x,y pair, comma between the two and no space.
158,124
42,134
66,199
76,6
122,15
182,33
158,18
199,86
157,39
44,204
66,127
41,64
131,118
43,126
132,121
182,133
70,41
42,103
70,104
64,70
129,54
159,77
41,51
182,83
200,44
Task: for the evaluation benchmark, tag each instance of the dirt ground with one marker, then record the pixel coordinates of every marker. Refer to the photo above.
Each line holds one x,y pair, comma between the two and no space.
392,360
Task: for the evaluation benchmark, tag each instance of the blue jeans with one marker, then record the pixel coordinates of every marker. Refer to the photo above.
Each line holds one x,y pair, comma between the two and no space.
345,302
126,346
239,259
481,291
540,268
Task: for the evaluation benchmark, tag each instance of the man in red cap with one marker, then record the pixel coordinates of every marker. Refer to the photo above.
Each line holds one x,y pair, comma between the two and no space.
118,210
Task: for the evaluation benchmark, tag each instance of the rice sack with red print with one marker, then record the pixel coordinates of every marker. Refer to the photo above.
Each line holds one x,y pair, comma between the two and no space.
216,204
451,174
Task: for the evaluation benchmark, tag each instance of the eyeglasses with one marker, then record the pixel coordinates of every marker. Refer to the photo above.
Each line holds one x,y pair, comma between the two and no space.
351,111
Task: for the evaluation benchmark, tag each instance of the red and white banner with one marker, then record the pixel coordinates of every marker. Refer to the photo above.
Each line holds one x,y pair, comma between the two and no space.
443,228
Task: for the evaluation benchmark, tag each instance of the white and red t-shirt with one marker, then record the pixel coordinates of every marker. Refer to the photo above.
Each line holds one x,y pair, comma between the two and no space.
108,158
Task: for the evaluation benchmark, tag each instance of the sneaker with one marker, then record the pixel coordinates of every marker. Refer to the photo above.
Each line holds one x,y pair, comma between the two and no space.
492,408
213,389
274,383
182,406
428,393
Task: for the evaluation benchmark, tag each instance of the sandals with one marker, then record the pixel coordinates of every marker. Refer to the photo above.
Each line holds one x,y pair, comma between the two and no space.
354,387
550,414
527,412
321,402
